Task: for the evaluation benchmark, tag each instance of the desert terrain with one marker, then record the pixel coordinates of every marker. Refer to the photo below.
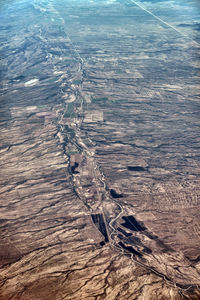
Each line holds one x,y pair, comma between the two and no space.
99,143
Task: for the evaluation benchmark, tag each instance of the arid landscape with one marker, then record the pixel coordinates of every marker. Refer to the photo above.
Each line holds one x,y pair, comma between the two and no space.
100,150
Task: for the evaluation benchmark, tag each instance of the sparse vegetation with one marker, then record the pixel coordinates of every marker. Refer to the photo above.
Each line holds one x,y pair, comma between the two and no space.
77,82
119,71
102,99
70,111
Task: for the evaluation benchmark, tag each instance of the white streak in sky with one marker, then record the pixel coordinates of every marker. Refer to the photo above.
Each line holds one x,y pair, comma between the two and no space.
162,21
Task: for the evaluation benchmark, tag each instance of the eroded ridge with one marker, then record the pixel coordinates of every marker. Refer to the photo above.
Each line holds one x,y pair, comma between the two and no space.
90,185
94,182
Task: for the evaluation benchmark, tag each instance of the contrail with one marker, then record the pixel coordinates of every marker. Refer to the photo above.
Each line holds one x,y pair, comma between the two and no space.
162,21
